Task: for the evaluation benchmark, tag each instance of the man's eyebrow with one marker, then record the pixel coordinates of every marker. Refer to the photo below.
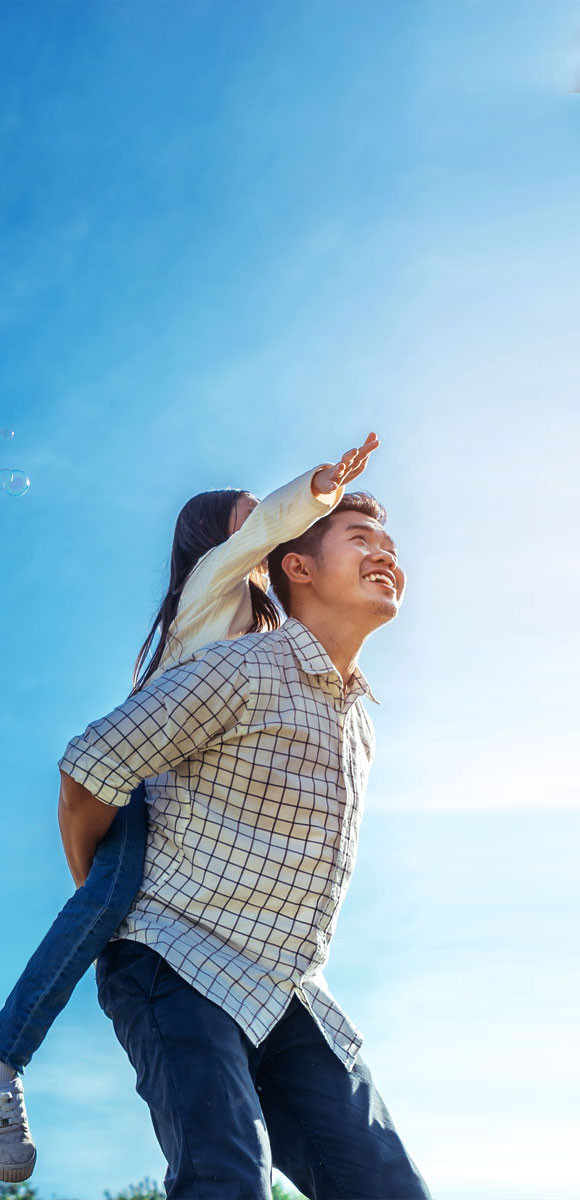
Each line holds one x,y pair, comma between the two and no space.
373,529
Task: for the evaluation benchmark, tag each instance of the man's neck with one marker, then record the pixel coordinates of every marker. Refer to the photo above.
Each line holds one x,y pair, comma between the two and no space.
342,649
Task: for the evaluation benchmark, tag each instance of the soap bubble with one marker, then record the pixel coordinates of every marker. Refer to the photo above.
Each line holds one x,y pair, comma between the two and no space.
14,482
6,435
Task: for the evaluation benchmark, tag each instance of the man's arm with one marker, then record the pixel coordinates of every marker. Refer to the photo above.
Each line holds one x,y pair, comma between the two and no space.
83,822
152,732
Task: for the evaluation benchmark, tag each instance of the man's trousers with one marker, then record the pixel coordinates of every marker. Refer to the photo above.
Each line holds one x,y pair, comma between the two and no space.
224,1110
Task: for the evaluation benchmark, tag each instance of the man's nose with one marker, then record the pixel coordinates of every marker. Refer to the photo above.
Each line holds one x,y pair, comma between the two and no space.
384,556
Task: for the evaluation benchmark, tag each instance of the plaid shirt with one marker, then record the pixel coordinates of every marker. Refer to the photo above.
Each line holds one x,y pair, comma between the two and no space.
256,763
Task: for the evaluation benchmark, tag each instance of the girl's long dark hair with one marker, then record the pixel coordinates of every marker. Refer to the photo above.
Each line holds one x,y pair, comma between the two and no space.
201,524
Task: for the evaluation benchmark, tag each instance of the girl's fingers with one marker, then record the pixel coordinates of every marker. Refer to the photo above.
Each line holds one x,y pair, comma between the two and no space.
354,461
358,471
372,439
357,468
366,449
337,473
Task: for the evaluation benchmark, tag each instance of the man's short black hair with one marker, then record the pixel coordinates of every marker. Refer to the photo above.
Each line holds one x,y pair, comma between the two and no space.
311,541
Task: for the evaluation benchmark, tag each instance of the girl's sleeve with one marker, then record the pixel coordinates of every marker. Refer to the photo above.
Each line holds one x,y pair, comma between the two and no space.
284,514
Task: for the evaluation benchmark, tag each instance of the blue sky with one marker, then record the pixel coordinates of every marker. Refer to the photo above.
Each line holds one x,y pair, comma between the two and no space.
234,239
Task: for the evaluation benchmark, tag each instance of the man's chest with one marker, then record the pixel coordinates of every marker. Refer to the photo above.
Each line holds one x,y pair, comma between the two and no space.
300,757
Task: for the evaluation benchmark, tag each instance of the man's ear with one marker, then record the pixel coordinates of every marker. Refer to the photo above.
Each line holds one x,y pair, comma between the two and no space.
297,567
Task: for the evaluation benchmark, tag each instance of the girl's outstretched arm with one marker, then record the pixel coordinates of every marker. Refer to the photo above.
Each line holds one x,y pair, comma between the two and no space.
284,514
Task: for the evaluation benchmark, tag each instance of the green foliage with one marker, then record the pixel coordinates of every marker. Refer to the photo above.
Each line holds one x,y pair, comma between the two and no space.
17,1191
146,1190
141,1191
279,1193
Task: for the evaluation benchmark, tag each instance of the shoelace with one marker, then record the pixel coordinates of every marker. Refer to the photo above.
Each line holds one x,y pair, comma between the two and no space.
12,1110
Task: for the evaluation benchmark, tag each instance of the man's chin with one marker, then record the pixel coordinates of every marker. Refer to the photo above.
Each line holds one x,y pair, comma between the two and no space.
385,611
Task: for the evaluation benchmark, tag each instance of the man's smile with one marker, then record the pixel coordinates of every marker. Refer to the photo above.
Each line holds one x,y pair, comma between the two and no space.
385,578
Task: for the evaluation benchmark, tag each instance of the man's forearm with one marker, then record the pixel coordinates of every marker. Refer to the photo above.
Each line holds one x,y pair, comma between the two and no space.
83,822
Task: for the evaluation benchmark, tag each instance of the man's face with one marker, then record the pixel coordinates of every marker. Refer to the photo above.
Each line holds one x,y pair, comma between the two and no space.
356,571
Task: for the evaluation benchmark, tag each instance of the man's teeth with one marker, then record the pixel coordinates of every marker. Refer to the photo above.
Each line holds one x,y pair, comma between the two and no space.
380,579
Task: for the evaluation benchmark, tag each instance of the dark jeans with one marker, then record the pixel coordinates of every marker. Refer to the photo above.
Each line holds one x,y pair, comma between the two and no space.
224,1110
79,933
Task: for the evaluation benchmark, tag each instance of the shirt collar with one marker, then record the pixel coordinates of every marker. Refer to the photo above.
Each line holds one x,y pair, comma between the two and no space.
315,661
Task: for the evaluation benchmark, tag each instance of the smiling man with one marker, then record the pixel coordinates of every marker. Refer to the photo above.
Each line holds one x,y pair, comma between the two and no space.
341,578
256,755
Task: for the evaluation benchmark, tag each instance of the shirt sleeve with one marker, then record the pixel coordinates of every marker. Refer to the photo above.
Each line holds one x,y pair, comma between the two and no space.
284,514
160,726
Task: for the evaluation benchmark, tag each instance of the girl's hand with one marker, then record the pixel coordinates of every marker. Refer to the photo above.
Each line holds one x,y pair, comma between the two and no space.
352,463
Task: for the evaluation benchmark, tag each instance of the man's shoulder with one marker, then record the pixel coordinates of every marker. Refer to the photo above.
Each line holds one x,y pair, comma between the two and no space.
246,646
235,652
251,649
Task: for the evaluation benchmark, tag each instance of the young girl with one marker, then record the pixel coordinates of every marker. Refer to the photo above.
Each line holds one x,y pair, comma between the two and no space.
217,590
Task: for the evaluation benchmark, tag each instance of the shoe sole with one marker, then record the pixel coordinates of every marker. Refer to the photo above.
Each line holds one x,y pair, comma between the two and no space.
18,1174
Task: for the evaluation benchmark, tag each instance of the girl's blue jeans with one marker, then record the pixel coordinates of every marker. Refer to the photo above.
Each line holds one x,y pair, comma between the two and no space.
79,934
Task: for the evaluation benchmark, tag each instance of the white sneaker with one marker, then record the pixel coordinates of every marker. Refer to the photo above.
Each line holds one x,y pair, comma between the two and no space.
17,1150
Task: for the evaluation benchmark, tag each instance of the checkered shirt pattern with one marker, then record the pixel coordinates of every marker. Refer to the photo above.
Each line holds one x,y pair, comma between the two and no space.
255,763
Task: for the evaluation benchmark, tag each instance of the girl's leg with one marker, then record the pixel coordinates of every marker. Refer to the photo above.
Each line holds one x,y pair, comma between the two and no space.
80,932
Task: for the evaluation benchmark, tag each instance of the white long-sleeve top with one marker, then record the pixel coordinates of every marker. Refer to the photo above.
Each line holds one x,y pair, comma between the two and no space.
215,603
